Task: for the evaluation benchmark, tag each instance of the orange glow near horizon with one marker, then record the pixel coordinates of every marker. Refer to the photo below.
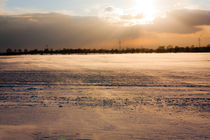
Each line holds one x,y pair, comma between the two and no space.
154,40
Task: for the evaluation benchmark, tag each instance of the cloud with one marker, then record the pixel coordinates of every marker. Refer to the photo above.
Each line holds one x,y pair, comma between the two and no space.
65,12
181,21
59,31
111,12
109,9
130,17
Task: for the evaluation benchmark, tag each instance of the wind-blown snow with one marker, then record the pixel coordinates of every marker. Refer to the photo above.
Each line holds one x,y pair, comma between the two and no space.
125,96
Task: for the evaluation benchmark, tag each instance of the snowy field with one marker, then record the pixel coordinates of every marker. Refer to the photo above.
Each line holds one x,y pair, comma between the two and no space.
125,96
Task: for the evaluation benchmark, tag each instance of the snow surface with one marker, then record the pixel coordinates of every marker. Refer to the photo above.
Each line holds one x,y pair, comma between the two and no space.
125,96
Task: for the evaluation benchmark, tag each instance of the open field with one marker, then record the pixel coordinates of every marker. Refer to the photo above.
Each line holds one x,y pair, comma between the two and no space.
121,96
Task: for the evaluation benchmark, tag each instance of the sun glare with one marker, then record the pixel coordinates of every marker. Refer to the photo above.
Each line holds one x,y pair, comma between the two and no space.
147,8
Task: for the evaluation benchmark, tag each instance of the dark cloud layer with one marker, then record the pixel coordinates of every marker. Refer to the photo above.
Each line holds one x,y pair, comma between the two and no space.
58,31
181,21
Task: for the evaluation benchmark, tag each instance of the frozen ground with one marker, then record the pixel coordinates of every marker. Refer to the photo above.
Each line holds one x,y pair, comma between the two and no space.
127,96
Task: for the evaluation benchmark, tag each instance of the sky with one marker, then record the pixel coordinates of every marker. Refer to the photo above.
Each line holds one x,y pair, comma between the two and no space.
35,24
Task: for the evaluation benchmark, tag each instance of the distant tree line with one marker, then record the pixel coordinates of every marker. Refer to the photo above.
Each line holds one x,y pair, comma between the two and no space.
161,49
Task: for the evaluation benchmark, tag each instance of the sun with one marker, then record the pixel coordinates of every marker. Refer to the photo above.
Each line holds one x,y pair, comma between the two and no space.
147,8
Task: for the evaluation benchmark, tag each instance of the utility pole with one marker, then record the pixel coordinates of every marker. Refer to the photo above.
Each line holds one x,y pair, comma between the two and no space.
120,44
199,42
